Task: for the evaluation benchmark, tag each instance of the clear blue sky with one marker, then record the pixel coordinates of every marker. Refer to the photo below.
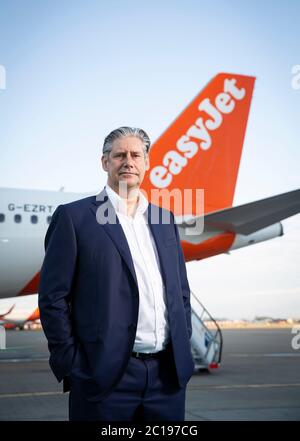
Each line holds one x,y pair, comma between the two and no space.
77,69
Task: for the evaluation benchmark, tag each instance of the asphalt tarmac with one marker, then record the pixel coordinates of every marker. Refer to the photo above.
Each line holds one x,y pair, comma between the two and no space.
259,379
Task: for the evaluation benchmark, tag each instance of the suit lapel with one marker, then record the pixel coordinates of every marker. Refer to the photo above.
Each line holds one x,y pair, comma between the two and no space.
113,229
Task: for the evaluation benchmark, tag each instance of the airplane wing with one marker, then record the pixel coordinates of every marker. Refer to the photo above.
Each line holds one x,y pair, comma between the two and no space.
248,218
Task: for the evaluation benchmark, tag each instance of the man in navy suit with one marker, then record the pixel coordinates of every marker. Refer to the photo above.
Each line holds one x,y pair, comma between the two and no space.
114,297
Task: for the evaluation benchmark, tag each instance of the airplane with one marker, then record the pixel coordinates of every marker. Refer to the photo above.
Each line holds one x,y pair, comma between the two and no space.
18,311
201,149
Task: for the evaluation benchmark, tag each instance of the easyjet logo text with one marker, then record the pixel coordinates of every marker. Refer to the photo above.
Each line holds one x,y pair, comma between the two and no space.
211,118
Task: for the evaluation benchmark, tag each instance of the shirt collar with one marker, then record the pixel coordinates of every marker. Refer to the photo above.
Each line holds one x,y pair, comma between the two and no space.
120,205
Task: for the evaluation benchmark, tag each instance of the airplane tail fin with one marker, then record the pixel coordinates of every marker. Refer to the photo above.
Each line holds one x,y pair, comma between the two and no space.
202,148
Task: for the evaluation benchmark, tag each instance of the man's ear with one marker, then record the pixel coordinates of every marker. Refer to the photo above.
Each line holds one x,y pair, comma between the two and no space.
104,160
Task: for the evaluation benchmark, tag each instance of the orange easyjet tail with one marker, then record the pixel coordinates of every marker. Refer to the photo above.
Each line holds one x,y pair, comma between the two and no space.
202,148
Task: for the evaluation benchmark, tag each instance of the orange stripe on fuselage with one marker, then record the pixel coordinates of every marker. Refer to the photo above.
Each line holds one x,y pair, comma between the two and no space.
32,286
34,316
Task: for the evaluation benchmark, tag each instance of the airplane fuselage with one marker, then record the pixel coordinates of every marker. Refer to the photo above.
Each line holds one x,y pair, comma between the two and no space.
24,218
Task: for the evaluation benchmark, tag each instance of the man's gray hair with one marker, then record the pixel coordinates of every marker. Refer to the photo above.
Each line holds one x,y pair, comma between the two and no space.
122,132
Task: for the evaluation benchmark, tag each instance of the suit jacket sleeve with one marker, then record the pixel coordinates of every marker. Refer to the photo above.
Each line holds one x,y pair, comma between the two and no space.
54,291
184,281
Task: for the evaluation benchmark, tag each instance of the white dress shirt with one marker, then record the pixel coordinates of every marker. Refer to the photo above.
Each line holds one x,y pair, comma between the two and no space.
152,333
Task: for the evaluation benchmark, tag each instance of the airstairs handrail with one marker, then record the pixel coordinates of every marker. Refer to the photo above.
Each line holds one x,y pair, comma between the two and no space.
210,356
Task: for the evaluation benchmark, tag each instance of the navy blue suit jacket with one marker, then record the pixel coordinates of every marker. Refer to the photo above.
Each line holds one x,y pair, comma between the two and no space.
89,298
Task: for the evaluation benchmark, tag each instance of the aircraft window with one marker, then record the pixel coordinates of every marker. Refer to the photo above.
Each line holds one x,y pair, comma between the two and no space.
34,219
49,219
2,217
18,218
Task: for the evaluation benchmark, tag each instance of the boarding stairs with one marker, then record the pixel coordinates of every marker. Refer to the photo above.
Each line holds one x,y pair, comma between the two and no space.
206,340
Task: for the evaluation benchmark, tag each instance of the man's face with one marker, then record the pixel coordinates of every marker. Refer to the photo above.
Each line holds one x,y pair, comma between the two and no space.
126,162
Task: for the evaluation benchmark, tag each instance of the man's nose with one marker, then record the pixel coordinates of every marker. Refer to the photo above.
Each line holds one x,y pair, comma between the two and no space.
128,160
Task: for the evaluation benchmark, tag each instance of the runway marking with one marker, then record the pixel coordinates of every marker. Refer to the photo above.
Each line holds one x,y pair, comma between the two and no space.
244,386
274,354
222,387
248,410
21,360
12,348
30,394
